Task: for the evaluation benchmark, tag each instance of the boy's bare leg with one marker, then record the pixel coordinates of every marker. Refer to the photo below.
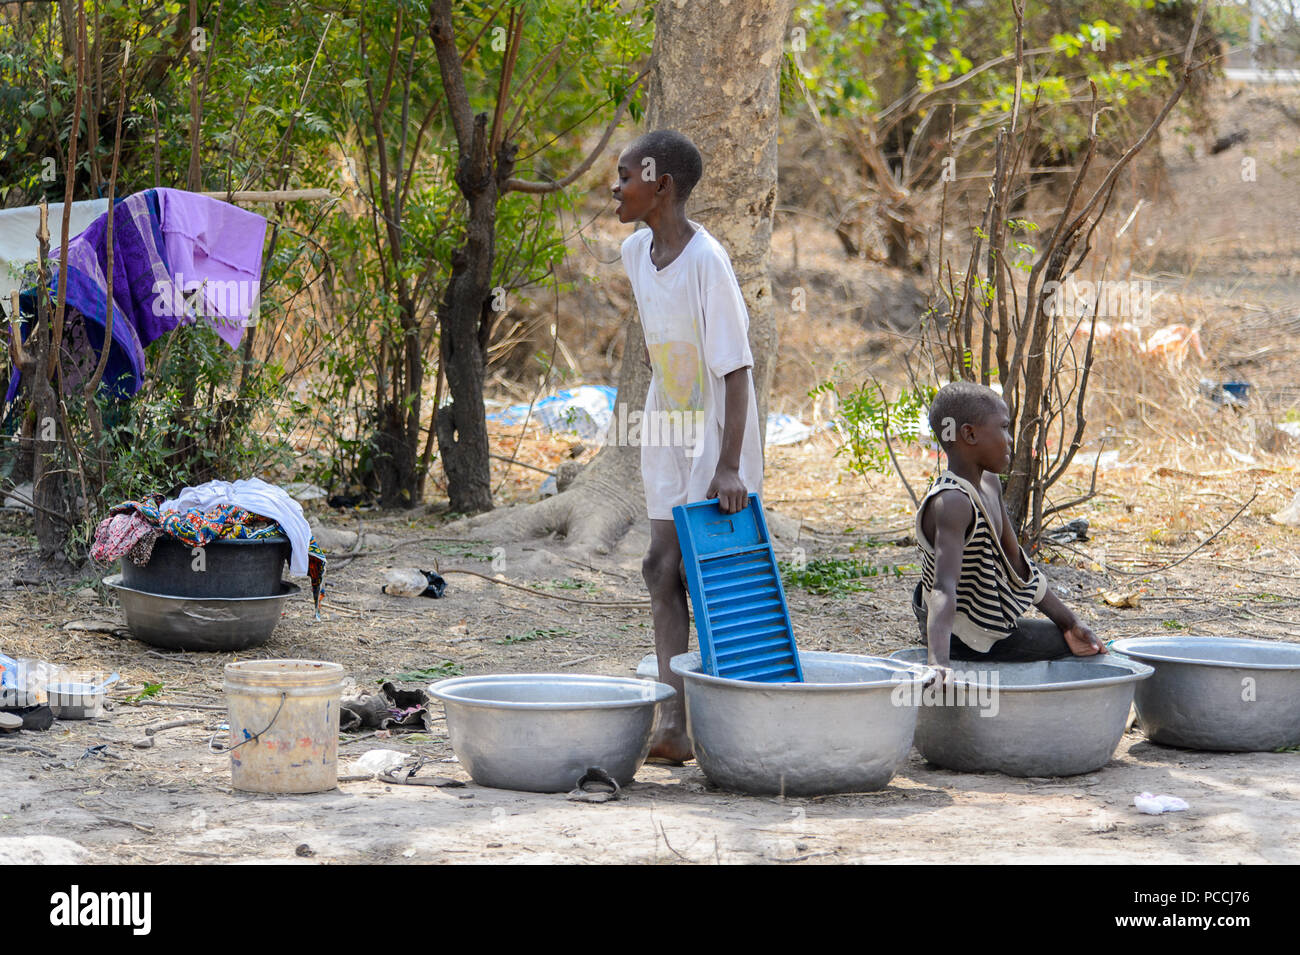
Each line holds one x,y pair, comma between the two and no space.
662,571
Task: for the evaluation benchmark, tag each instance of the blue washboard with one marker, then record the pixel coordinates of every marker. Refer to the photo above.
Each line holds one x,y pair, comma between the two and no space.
741,618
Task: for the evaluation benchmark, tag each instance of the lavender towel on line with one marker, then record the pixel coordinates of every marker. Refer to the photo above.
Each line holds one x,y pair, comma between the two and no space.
218,244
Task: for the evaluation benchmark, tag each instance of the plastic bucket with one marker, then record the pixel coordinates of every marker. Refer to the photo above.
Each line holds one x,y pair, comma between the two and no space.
284,725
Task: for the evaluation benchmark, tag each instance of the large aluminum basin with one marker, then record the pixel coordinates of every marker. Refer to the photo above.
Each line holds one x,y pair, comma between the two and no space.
1219,693
200,623
847,728
1053,718
540,732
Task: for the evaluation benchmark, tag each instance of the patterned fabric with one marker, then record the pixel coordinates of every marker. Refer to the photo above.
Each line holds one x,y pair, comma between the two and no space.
124,535
199,527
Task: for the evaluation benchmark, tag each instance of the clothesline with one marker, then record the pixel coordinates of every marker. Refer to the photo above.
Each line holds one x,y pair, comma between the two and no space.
274,195
175,253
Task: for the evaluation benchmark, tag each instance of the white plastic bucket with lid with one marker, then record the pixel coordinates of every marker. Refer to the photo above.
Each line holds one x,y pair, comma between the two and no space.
284,725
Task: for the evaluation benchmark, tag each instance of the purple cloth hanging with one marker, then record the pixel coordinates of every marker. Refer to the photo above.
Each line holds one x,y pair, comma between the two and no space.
141,289
219,246
167,245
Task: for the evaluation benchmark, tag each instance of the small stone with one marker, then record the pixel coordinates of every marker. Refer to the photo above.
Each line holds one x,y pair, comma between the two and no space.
304,851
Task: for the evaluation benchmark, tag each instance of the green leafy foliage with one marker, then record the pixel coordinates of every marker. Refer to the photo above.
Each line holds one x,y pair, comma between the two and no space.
528,636
568,583
437,671
912,95
301,95
149,691
834,575
865,415
191,423
860,59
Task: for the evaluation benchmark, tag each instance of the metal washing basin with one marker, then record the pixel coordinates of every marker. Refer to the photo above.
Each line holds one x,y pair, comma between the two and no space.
1218,693
200,623
1051,718
539,732
846,728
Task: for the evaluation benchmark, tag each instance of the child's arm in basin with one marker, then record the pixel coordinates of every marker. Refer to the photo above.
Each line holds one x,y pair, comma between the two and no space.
952,514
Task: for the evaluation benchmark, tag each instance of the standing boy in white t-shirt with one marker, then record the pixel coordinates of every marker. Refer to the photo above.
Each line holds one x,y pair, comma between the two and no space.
699,435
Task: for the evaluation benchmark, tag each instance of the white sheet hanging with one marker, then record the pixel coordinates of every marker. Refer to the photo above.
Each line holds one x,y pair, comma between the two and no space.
18,244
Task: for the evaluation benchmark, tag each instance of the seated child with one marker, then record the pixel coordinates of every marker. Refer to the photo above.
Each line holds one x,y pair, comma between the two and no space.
976,580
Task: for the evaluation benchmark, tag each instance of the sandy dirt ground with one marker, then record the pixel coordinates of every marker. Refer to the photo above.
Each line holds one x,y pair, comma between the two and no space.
174,802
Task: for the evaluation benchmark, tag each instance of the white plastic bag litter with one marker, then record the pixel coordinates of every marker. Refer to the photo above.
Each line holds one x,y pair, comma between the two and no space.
378,761
1155,805
786,429
1289,514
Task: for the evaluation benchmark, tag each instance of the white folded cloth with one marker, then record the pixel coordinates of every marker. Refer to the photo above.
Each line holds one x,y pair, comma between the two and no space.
257,497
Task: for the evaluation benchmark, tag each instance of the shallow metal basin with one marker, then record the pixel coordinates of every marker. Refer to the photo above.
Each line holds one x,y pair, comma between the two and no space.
200,623
846,728
1052,718
1220,693
540,732
76,701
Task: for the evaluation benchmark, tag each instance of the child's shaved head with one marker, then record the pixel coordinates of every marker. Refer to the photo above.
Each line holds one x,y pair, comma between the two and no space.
673,154
962,402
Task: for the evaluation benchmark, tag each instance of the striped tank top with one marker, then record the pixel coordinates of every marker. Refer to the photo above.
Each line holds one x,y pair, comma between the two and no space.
990,594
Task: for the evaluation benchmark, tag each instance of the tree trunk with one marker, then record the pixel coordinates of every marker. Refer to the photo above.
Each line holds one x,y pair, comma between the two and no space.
34,361
461,426
714,76
47,476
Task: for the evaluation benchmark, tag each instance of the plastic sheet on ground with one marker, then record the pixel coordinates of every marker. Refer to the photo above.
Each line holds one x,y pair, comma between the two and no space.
1103,460
1155,805
786,429
587,411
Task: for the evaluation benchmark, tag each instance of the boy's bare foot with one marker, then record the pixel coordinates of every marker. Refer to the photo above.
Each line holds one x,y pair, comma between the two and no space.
672,748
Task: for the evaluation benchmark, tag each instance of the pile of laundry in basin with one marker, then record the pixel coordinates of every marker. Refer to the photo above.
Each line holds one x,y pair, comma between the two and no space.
249,509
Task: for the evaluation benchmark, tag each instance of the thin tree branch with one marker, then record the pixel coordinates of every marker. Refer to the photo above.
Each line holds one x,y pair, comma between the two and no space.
522,185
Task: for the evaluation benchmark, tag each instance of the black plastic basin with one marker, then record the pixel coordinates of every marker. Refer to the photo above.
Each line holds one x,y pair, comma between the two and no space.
229,568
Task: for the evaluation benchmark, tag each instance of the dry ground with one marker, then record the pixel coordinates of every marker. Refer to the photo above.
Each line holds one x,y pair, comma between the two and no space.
174,802
1185,470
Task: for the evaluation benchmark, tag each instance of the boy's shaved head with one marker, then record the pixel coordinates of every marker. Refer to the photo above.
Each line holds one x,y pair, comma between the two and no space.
674,155
962,402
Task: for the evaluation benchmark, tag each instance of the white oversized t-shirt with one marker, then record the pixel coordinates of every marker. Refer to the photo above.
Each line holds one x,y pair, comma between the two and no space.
696,329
